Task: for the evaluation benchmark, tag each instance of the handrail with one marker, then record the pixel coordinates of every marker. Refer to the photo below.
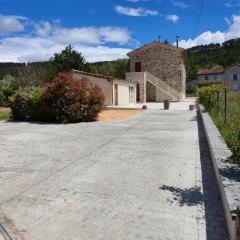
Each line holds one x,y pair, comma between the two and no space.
161,84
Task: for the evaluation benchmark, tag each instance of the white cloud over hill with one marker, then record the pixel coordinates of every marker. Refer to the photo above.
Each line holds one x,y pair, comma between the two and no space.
215,37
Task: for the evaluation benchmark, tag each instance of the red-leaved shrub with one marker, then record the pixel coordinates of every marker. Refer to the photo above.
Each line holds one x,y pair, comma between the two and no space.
69,100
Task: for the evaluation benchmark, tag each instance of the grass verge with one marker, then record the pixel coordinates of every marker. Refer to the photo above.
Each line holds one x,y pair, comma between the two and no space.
5,113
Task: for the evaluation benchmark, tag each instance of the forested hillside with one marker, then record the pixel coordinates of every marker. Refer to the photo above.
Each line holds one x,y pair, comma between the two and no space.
207,56
203,56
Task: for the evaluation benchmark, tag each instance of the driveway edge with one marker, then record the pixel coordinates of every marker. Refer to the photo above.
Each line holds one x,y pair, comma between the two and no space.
4,234
224,172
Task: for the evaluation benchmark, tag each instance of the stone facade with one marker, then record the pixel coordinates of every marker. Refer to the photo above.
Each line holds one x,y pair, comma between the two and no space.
164,61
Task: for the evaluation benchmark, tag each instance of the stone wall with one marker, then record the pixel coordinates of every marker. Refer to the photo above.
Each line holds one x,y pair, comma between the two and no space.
151,92
165,62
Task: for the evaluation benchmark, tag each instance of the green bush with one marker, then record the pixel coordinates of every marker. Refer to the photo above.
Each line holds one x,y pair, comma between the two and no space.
69,100
8,85
26,104
208,95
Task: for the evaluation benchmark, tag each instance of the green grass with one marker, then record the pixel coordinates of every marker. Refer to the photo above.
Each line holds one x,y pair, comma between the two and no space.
230,130
5,113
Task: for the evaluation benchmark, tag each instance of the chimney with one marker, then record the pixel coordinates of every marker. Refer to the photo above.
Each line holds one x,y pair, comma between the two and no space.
177,40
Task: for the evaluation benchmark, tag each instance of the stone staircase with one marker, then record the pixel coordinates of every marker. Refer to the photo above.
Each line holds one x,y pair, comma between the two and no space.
171,92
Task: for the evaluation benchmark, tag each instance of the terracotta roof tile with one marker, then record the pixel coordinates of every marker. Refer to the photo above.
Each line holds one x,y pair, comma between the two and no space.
210,71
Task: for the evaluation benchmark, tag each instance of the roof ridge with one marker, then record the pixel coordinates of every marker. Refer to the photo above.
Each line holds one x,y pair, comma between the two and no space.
160,44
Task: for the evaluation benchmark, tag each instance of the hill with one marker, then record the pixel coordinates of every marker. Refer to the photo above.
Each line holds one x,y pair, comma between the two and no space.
207,56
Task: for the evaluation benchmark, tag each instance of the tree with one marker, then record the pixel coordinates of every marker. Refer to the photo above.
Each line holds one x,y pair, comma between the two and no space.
66,60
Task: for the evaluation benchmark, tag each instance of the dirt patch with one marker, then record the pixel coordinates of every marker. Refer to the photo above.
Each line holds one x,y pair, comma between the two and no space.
117,114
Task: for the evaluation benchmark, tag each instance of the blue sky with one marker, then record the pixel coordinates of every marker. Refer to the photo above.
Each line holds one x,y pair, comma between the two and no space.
106,30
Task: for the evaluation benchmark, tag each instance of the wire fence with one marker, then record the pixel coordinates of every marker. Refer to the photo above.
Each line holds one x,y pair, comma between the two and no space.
224,108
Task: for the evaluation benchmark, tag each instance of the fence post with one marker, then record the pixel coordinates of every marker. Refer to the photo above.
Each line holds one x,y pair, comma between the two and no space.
218,103
225,105
237,234
209,103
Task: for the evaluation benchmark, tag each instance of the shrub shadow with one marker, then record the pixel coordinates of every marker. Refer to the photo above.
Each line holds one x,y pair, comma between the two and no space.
188,196
231,173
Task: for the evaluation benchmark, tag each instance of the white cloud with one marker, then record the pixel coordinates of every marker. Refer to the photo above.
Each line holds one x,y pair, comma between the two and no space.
215,37
173,18
115,34
11,24
232,4
227,20
135,12
135,1
38,49
47,38
45,29
87,35
180,4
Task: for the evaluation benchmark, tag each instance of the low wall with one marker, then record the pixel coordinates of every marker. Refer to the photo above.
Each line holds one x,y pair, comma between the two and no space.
227,175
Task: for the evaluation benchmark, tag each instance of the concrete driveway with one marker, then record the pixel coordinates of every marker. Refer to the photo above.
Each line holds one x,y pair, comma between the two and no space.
148,177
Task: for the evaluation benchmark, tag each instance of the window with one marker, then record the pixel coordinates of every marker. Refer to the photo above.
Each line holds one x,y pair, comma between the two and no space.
206,77
138,67
235,77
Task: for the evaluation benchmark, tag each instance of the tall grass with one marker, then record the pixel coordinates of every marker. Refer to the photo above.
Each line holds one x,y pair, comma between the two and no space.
229,129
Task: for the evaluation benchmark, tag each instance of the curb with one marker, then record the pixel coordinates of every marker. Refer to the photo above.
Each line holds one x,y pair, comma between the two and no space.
4,234
225,172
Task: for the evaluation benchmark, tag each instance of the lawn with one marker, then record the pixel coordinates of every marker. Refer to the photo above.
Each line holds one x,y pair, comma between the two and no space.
4,113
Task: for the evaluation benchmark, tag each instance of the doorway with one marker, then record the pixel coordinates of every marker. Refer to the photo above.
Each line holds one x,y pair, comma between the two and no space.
115,94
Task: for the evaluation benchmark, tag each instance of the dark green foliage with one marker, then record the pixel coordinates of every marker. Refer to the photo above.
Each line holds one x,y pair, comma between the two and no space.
26,104
69,100
207,56
67,60
116,68
191,90
9,69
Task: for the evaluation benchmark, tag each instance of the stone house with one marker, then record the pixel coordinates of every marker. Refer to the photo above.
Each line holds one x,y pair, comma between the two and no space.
160,71
230,76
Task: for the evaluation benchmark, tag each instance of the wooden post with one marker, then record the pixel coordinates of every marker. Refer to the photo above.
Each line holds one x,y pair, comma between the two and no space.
225,105
218,103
